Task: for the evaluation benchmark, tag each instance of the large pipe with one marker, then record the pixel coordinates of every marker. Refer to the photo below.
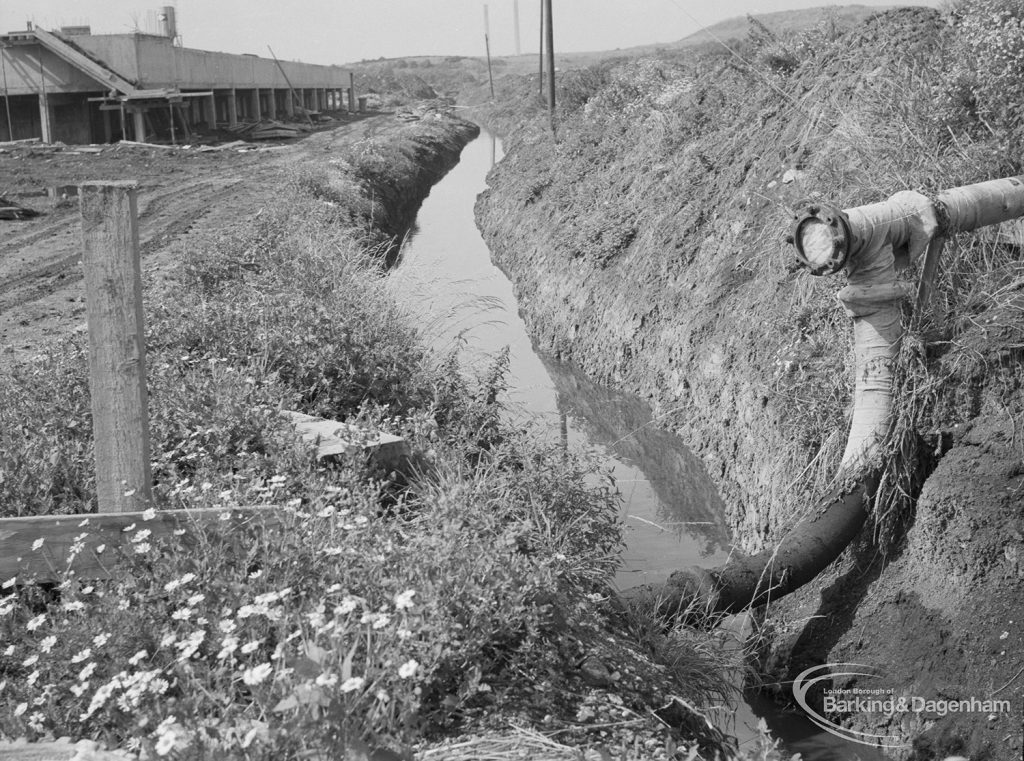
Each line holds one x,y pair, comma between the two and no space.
871,243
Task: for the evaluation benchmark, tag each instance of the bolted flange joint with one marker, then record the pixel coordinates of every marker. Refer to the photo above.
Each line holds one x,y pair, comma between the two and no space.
822,237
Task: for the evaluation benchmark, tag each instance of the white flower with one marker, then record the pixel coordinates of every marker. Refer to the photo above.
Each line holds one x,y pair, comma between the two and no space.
32,678
30,661
227,626
403,600
347,605
168,639
100,639
408,668
149,514
9,651
9,583
21,708
141,535
353,683
327,679
228,645
190,645
250,647
81,656
135,659
404,633
37,544
86,672
257,674
170,586
47,644
143,548
73,605
182,614
36,622
383,619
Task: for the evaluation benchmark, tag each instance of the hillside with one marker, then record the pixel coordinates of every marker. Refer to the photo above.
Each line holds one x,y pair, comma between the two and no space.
399,79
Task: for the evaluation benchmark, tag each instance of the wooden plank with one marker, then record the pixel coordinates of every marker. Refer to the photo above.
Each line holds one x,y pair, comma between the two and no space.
117,348
333,438
108,530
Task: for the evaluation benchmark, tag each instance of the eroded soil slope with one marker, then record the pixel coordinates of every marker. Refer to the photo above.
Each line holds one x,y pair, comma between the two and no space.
646,245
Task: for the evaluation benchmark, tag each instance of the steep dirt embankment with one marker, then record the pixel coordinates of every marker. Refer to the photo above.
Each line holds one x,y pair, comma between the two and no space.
646,246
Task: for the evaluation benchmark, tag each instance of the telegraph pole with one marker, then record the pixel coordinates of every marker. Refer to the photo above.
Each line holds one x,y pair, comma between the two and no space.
487,45
550,38
540,76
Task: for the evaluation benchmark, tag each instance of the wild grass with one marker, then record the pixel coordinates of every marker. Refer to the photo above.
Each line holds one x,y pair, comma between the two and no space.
668,170
389,610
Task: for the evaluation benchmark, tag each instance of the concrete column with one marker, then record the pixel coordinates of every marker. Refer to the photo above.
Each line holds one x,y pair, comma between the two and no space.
255,103
211,108
108,131
45,122
140,125
351,93
232,108
289,103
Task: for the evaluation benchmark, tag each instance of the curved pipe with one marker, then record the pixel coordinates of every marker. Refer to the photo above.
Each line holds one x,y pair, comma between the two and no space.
871,243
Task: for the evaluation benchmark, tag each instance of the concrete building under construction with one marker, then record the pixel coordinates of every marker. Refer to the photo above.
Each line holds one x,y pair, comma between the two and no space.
77,87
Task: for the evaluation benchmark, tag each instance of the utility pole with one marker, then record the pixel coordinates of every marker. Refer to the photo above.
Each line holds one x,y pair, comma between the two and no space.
515,13
540,76
551,60
487,45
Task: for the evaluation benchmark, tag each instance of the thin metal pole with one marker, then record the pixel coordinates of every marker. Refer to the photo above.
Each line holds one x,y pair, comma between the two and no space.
7,94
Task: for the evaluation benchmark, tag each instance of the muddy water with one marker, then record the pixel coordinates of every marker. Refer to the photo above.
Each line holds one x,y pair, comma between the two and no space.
672,512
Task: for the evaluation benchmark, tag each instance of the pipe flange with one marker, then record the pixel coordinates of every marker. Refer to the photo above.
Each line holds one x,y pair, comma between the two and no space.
832,238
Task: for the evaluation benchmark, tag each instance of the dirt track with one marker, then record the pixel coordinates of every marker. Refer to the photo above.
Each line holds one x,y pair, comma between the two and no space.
184,196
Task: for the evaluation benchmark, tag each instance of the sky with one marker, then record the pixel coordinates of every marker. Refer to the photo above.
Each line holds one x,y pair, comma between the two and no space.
344,31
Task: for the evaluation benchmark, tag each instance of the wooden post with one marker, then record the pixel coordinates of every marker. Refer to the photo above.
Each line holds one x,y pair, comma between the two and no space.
117,348
290,88
550,37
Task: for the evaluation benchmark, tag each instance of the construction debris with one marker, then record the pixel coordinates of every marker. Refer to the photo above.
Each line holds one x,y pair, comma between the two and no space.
11,210
268,130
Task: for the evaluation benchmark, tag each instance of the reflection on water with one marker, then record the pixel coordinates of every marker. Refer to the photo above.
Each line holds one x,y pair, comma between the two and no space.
673,514
671,500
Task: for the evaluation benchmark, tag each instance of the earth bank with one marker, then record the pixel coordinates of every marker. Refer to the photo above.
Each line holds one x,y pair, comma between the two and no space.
645,246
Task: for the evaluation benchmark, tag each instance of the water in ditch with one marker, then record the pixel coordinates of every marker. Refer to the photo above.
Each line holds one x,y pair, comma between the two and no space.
671,509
